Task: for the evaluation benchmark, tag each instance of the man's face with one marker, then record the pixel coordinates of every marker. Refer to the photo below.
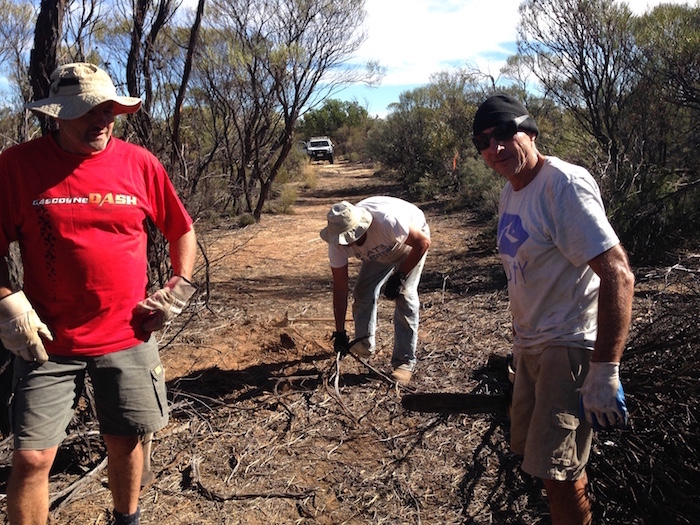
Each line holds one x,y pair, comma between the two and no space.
88,134
511,156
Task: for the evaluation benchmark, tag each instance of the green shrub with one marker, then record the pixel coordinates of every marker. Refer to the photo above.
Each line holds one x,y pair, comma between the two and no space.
245,219
287,197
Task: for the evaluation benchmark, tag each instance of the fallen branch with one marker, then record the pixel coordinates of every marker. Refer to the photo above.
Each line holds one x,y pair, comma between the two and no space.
336,394
63,496
286,321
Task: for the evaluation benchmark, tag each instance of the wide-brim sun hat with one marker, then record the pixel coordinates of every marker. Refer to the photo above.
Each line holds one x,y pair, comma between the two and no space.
78,88
346,223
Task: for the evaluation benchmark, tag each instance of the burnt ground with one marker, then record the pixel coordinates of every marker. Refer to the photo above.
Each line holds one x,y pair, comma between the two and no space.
268,426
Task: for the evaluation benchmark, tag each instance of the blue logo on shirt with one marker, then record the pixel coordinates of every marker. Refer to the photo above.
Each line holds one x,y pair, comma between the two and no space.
511,234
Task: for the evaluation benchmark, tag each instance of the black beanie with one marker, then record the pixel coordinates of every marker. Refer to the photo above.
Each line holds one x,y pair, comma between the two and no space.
501,108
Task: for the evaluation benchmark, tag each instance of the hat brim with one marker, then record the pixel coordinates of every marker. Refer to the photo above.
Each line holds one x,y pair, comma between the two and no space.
73,107
349,236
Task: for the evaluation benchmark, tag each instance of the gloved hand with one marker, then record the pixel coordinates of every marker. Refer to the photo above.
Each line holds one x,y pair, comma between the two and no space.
341,343
20,328
165,304
394,285
602,399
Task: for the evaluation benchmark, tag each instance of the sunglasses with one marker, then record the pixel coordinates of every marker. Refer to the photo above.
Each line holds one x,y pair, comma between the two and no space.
501,133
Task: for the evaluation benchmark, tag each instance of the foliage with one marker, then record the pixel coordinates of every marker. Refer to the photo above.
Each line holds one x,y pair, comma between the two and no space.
620,97
347,123
628,84
478,187
669,43
330,117
426,139
15,31
227,92
288,196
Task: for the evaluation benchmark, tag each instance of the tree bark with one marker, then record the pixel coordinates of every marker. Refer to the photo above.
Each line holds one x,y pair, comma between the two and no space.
42,59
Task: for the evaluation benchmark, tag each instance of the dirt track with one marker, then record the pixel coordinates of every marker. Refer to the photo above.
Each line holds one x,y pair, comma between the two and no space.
269,272
265,430
279,269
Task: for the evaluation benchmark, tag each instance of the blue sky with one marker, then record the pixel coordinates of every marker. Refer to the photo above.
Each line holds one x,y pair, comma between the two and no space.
414,39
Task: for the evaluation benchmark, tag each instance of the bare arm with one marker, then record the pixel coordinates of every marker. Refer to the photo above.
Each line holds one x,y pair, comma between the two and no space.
182,254
419,243
614,303
341,289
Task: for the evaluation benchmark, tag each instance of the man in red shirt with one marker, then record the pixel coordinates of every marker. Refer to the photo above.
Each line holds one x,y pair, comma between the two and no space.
77,202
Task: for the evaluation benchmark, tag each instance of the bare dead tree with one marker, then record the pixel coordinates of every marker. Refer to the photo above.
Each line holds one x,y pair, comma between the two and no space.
138,65
80,26
180,98
43,57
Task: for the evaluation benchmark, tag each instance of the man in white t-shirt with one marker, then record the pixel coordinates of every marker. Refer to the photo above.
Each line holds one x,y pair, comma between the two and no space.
570,288
391,237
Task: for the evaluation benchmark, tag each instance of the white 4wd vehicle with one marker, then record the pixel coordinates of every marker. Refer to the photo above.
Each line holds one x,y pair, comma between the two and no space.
320,148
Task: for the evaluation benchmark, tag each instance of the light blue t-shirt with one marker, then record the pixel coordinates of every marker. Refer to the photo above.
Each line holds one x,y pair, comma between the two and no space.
547,233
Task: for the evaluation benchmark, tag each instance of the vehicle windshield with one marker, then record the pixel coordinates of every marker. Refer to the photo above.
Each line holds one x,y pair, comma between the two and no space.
318,143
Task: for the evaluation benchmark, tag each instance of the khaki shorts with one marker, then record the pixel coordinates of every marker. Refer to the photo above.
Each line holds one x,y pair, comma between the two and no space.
129,389
545,424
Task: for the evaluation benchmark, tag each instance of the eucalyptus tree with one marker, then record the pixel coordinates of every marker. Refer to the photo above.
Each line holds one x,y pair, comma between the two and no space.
630,84
43,57
16,30
331,116
581,52
665,121
669,64
426,137
669,40
265,62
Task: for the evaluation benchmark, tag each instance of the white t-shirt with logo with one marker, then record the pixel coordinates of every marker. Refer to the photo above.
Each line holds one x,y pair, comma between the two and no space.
391,220
547,233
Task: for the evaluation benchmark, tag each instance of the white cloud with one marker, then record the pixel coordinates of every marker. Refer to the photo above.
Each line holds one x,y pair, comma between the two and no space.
416,38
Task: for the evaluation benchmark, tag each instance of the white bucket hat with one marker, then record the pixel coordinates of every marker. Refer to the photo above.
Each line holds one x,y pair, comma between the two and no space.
78,88
346,224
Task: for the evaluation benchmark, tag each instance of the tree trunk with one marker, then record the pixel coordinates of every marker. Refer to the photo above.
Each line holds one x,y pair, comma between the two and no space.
179,101
42,59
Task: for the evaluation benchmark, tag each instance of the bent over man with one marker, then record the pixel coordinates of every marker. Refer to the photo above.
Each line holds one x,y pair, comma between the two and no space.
391,237
78,201
570,288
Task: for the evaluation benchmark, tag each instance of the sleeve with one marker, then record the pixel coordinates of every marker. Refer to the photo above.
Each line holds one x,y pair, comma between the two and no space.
579,226
168,212
337,256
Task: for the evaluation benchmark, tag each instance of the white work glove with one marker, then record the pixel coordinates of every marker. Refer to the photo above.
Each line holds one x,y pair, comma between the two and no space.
21,328
165,304
602,398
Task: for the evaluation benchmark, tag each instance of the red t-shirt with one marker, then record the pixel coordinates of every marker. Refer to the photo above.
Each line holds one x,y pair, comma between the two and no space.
81,226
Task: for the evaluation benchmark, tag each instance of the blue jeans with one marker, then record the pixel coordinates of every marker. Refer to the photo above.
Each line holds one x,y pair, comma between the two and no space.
371,277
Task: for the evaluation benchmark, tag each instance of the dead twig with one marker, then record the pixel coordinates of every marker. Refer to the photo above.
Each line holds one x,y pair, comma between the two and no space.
63,496
336,392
